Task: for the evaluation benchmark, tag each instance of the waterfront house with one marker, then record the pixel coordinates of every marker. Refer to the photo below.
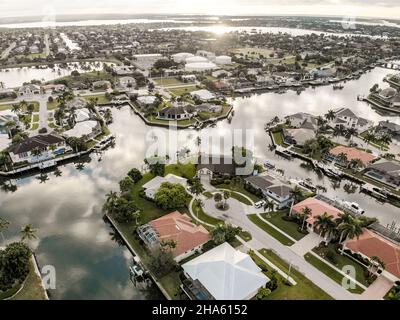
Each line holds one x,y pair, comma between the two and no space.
53,88
298,137
385,171
215,165
335,153
388,97
272,189
150,188
223,273
318,208
144,101
177,112
207,107
177,227
348,119
29,90
50,145
371,244
202,95
390,128
84,129
188,78
303,120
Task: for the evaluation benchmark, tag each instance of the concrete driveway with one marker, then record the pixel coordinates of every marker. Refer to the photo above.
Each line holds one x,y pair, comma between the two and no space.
378,289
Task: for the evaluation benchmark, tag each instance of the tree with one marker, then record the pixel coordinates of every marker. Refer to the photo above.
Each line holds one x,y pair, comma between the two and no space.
14,264
325,224
36,152
330,115
28,232
135,175
161,261
349,227
16,108
168,245
126,184
263,293
199,204
157,169
224,233
355,164
306,213
218,198
269,205
226,195
125,210
111,201
171,196
4,224
197,187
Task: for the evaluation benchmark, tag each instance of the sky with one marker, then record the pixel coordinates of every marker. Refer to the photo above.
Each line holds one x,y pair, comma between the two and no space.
348,8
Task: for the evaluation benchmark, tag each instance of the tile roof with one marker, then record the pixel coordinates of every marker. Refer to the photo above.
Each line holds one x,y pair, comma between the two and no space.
39,141
372,244
178,227
353,153
317,207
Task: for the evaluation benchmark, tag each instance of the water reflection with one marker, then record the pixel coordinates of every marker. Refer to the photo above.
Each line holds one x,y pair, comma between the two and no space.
66,209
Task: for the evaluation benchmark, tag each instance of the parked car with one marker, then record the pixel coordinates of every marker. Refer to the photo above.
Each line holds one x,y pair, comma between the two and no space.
259,204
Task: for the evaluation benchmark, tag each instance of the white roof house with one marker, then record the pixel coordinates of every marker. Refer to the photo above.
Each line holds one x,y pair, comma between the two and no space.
226,273
85,128
153,185
202,94
82,115
146,100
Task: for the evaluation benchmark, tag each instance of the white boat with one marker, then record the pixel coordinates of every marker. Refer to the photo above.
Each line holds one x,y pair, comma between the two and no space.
353,206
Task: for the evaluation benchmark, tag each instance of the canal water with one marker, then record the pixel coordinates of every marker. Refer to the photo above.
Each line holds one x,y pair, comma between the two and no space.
15,77
66,209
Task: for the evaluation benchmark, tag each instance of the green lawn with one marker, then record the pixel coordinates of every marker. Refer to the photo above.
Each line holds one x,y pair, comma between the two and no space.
278,138
289,227
35,126
303,290
205,217
187,170
100,98
268,229
35,118
245,235
168,81
52,105
183,90
33,289
238,188
240,198
9,106
5,107
342,260
329,271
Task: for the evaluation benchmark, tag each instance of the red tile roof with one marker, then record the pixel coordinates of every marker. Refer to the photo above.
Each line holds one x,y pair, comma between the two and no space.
372,244
318,208
178,227
353,153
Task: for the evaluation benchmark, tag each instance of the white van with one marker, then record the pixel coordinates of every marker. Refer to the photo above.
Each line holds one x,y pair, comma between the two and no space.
259,204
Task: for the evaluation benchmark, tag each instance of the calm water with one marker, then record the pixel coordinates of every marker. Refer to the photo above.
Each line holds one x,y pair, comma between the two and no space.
67,209
15,77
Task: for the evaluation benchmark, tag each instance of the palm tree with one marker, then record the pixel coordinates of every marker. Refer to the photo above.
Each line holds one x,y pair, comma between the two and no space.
4,159
342,157
198,203
369,137
16,108
218,197
330,115
111,200
226,195
296,195
197,187
386,139
349,227
10,124
325,224
4,224
137,215
28,232
350,132
36,152
356,163
306,213
269,205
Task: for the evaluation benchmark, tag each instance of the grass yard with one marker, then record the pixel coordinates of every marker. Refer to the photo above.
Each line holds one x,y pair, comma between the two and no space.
289,227
329,271
33,289
52,105
245,235
238,188
100,98
278,138
35,126
182,90
35,118
186,170
343,260
240,198
271,231
204,216
304,290
168,81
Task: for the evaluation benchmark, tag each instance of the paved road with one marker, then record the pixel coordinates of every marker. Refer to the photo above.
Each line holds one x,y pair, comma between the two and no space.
261,239
6,52
47,45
